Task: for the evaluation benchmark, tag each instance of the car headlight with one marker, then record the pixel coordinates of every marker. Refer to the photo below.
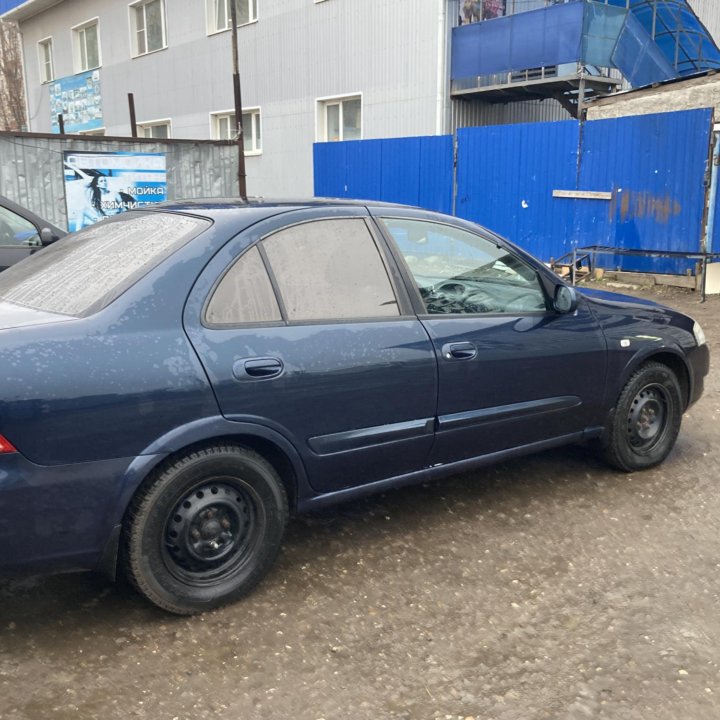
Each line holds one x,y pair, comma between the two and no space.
699,334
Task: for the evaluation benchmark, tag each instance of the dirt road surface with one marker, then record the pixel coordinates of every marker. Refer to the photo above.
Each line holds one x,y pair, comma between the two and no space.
548,587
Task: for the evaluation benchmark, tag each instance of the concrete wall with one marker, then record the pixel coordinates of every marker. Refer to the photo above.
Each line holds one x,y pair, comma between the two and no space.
680,95
297,51
31,168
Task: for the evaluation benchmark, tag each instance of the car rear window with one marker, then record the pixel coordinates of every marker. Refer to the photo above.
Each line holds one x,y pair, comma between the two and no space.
87,270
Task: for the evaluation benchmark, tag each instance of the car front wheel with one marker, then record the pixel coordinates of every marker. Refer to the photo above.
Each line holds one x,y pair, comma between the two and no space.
205,530
646,419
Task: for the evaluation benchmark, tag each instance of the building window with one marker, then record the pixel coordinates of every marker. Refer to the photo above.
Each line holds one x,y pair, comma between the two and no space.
45,53
154,129
223,128
218,13
86,46
147,21
340,119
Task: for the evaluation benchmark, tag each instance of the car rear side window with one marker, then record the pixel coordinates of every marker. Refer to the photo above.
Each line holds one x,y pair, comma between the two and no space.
330,269
86,271
244,295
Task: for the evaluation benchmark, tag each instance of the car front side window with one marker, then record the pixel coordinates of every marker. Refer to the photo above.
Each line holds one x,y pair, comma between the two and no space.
459,272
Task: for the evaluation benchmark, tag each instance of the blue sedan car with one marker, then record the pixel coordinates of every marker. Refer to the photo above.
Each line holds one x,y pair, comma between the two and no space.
178,379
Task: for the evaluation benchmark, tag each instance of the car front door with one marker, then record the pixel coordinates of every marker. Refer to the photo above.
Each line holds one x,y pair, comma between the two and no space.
309,332
513,372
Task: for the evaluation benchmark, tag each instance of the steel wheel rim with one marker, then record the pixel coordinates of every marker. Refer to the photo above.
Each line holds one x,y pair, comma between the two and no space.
647,418
212,531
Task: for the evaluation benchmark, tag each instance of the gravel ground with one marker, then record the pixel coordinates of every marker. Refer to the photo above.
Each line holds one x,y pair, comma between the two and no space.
546,587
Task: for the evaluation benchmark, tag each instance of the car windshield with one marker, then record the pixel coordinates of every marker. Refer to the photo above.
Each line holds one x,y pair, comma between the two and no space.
87,270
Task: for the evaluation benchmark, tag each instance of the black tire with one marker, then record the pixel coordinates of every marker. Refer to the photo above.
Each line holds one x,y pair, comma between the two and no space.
646,419
205,530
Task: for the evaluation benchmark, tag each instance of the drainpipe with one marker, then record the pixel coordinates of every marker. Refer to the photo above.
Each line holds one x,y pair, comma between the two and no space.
707,240
442,68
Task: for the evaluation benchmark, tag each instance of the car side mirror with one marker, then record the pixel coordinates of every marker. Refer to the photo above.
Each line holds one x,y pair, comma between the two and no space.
565,300
47,237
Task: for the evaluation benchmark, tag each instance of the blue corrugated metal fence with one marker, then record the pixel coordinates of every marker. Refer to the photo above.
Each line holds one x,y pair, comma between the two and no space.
505,178
651,170
655,167
412,171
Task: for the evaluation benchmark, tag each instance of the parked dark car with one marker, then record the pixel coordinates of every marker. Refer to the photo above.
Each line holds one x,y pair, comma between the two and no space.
178,379
22,232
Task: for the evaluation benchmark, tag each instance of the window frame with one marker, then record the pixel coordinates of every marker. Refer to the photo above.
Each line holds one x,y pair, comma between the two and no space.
418,303
322,104
43,63
210,15
396,280
256,123
133,9
78,46
145,124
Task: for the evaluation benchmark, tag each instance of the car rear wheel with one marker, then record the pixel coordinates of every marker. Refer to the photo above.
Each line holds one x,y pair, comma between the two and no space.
205,530
646,419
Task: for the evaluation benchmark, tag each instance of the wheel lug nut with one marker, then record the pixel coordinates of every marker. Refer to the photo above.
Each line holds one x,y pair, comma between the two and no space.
195,534
225,523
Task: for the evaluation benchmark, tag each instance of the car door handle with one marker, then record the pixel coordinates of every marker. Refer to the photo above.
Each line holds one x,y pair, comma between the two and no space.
257,368
459,351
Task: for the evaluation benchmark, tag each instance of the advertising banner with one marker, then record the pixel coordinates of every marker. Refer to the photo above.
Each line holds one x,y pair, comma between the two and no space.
476,10
98,185
77,98
493,9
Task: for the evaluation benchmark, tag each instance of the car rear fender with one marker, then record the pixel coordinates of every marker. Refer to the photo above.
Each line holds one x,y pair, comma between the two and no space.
203,432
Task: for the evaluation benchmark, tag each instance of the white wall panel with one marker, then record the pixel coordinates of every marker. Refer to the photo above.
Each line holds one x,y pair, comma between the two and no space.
296,52
709,12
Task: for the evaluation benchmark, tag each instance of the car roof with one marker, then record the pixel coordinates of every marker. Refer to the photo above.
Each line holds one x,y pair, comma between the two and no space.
205,204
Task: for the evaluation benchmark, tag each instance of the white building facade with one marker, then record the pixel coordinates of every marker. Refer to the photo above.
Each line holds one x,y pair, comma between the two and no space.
311,70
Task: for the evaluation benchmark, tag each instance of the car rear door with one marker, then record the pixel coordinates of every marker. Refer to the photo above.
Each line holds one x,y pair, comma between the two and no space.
309,332
512,372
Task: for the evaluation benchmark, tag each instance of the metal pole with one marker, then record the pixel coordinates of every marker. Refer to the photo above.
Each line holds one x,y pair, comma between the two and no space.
706,242
61,124
242,187
581,95
133,120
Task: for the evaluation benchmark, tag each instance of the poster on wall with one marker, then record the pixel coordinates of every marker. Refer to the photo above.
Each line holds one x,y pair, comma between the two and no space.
77,99
99,185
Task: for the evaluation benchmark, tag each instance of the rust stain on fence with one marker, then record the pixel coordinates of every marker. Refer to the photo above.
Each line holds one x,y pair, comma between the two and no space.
631,205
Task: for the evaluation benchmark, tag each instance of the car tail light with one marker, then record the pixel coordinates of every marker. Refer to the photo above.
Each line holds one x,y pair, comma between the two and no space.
6,446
